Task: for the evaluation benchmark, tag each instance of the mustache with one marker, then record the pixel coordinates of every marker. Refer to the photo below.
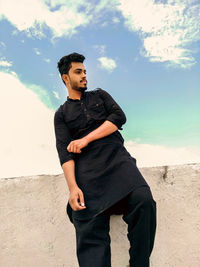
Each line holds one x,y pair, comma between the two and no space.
84,80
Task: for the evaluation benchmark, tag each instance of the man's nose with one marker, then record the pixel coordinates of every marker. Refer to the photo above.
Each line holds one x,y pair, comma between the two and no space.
84,75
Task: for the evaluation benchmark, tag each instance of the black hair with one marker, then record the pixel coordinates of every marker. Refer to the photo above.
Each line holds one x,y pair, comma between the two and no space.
64,64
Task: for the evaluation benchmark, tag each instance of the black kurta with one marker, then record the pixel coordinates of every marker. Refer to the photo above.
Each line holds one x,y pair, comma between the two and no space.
104,170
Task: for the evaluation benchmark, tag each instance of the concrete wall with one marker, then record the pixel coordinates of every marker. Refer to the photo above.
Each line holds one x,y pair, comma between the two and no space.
35,230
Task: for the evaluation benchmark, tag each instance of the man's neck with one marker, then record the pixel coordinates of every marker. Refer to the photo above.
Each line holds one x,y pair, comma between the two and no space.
74,94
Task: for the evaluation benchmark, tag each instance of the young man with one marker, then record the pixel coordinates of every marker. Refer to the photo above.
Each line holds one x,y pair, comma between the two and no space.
102,177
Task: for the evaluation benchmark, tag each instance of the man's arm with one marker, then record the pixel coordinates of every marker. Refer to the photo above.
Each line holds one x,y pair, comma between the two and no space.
63,138
76,198
116,118
103,130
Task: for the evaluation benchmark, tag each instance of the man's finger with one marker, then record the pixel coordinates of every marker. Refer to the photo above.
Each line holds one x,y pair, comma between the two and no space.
81,197
78,150
69,147
72,148
75,205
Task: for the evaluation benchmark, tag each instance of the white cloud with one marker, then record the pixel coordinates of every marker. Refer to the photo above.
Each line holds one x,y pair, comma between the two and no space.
106,5
2,45
37,51
47,60
104,24
62,17
156,155
28,142
27,133
4,63
56,94
107,63
100,48
167,29
116,20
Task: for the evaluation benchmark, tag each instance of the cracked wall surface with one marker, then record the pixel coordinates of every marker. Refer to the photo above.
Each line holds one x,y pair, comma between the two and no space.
35,230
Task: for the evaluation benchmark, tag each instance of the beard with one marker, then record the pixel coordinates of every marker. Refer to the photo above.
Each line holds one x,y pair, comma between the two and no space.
78,88
75,86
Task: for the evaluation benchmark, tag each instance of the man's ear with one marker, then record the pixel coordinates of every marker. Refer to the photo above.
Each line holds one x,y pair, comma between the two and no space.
65,78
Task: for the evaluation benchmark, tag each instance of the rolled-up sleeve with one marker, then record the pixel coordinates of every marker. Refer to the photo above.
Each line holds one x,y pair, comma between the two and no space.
115,113
63,137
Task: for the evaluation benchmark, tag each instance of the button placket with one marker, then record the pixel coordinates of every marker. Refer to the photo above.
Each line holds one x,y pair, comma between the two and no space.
85,111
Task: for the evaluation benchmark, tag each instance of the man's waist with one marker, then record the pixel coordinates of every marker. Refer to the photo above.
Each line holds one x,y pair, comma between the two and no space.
114,138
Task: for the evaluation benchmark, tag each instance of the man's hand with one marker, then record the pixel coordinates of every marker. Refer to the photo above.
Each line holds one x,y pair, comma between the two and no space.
76,145
76,199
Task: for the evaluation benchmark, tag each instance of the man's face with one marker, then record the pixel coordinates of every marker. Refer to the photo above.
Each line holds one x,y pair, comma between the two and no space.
76,77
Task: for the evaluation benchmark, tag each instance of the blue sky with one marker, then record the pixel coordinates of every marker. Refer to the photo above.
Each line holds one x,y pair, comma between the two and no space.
144,53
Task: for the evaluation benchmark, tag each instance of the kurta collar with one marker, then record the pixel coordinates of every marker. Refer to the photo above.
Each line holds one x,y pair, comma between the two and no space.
75,100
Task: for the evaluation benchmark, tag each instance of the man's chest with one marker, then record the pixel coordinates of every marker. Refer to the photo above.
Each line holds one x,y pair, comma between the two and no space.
77,114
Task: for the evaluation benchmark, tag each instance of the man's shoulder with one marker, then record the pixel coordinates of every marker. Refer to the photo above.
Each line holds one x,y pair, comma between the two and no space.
59,109
58,112
96,91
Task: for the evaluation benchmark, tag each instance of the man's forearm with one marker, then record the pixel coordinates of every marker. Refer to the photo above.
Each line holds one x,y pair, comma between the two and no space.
76,197
69,172
103,130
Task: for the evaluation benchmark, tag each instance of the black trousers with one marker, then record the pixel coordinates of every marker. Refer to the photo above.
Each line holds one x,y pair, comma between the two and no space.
92,236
